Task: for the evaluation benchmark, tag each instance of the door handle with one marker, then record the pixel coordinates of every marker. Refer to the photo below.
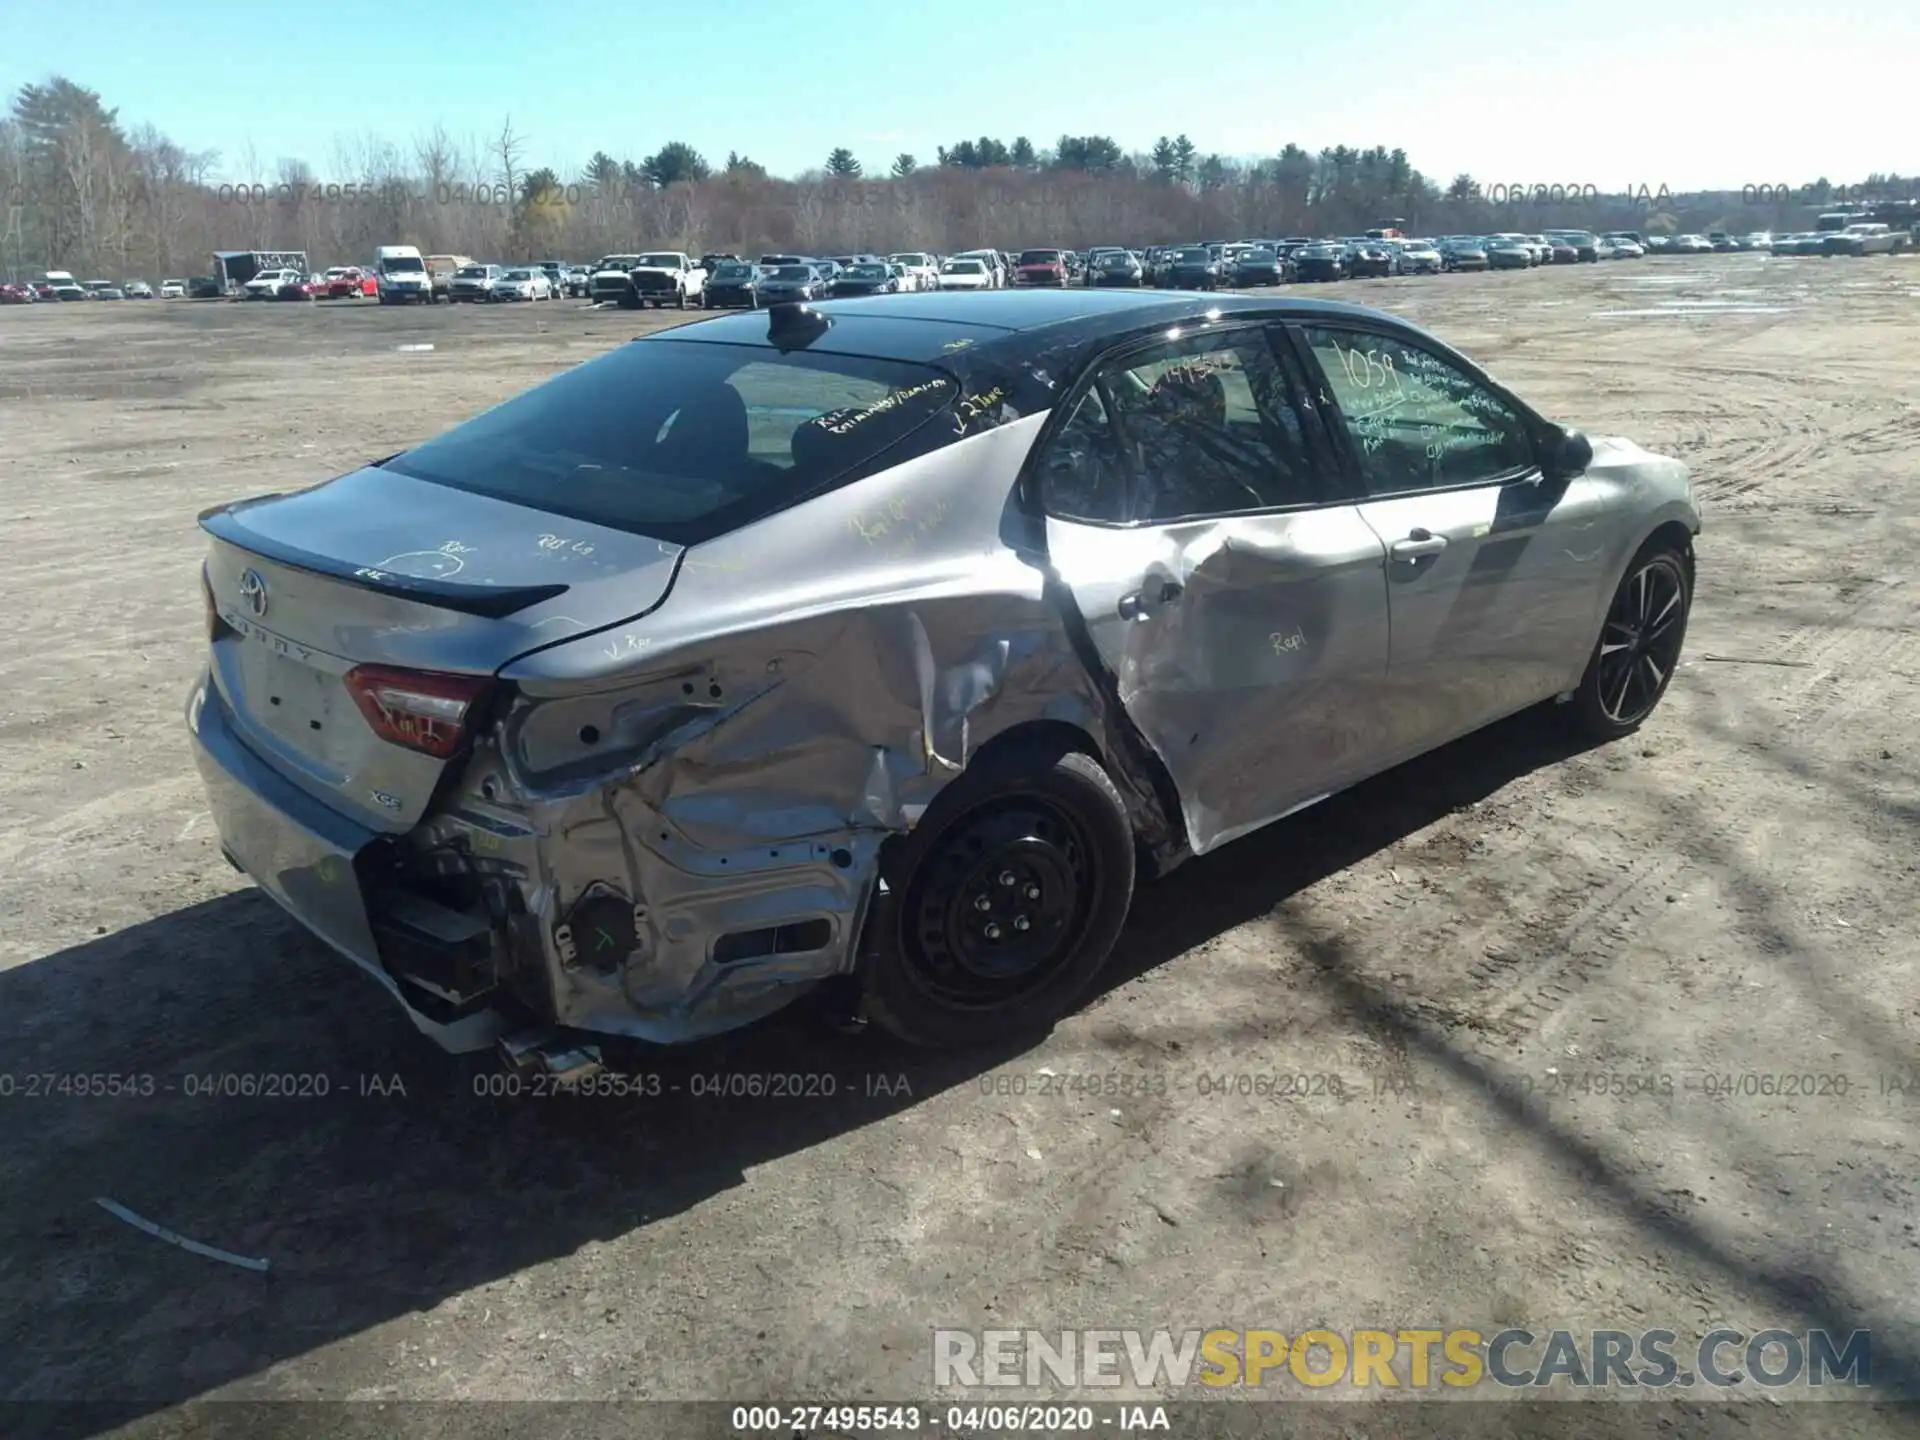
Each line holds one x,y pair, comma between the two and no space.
1141,603
1420,543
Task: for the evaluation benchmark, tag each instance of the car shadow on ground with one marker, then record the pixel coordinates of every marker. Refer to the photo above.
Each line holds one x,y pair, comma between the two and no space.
381,1177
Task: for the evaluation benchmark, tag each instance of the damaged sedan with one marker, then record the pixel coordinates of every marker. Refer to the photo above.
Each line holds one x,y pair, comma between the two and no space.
891,643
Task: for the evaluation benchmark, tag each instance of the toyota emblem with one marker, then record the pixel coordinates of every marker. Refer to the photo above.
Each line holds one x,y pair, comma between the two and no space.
253,590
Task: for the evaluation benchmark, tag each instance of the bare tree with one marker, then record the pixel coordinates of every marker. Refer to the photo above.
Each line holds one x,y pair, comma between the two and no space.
434,159
508,148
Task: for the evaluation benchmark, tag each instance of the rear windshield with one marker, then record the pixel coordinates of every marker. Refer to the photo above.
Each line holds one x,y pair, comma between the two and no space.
683,440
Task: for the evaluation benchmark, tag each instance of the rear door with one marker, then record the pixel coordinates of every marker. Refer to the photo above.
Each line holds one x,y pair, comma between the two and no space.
1491,568
1233,593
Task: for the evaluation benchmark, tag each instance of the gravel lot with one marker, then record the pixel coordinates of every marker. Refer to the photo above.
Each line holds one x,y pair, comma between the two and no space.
1482,947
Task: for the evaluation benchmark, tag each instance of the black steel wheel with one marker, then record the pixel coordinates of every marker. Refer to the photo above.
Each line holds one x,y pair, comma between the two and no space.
1640,643
1005,901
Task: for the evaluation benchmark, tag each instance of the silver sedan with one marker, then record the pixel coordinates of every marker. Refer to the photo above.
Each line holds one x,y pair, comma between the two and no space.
524,283
891,643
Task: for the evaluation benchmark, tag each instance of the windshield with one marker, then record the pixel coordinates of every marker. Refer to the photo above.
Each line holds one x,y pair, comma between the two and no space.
473,272
1039,257
793,272
403,265
663,262
1195,255
518,275
1114,260
618,262
963,267
734,272
684,440
868,272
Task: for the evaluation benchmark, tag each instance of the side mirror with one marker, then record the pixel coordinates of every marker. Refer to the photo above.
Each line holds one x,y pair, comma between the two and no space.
1568,453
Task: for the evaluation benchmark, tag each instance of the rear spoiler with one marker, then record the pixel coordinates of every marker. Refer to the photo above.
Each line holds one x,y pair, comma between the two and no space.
490,602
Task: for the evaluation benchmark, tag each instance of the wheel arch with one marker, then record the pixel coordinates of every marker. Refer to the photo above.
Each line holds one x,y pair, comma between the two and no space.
1675,533
1136,771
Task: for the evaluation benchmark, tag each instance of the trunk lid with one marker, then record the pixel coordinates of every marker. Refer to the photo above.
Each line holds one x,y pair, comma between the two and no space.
377,568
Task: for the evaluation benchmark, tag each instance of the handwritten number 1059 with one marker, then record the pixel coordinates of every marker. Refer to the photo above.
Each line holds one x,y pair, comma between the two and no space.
1363,365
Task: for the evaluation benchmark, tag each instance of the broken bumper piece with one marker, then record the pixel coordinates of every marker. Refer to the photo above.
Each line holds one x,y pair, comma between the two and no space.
302,855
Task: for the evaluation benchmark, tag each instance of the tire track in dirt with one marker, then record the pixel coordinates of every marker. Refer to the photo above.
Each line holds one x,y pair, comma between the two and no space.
1749,442
1521,995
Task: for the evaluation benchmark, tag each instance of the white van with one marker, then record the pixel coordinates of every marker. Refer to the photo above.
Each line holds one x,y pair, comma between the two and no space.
401,275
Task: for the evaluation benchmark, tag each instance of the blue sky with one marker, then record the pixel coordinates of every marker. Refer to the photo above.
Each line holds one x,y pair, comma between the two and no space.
1700,93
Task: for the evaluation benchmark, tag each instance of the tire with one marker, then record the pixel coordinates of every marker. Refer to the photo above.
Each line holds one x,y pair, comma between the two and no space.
680,299
630,300
706,302
1646,621
1036,831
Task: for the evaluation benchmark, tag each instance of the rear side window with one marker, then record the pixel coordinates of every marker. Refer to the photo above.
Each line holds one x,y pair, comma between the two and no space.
684,441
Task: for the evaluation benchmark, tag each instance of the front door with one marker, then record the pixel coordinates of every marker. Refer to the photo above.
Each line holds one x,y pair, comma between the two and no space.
1234,594
1491,567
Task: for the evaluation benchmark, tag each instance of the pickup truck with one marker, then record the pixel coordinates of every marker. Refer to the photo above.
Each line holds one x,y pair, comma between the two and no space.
654,277
441,269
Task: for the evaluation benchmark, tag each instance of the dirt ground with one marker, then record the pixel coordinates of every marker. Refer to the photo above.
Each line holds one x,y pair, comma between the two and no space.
1482,947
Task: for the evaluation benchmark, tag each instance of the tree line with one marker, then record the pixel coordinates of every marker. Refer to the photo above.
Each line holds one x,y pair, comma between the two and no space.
82,190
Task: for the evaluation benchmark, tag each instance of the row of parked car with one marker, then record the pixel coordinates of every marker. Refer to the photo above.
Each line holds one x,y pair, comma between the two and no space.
59,285
720,280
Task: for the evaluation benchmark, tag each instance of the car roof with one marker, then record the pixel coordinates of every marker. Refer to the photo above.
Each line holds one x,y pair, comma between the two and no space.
935,326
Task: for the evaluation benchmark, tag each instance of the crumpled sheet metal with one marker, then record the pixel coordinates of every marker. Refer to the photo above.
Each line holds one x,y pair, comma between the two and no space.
812,683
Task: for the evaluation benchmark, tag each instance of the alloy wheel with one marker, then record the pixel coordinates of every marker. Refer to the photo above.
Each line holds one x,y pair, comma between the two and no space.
1640,643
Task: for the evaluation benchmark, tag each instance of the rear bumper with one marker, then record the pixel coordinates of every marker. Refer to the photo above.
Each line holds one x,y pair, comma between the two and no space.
302,855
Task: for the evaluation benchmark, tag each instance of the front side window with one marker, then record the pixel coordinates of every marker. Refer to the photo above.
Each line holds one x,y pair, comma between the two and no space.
1417,421
1186,429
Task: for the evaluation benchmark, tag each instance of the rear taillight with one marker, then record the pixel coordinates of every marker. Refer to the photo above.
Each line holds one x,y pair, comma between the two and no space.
419,709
